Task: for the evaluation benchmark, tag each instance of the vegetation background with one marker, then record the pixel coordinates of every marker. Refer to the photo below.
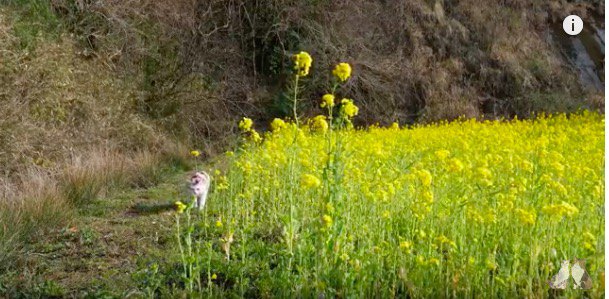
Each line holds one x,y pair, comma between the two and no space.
98,97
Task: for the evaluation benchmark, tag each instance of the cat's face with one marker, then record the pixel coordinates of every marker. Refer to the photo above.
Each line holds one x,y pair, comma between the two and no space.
198,179
581,263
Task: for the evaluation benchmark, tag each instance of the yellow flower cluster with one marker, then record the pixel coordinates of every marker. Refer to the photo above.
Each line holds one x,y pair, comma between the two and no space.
342,71
526,217
246,125
277,125
179,207
327,101
561,209
302,63
326,220
310,181
348,109
319,124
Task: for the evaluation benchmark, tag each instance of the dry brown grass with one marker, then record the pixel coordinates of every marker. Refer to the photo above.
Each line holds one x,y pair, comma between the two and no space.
207,63
70,132
41,199
414,60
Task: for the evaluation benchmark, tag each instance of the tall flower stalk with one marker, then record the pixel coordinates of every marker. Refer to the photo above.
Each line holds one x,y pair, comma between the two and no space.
302,64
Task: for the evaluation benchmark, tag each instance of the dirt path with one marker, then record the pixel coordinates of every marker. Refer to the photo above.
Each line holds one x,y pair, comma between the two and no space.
100,252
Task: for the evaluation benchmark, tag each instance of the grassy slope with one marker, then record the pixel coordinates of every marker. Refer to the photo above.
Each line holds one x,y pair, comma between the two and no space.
102,248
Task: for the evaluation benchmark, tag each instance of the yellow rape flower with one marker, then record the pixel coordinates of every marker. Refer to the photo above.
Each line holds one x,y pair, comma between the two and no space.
484,173
562,209
405,245
348,109
302,63
319,124
277,125
255,136
442,154
455,165
589,247
180,207
327,101
425,177
326,220
310,181
442,240
525,216
342,71
434,261
490,263
246,124
427,196
195,153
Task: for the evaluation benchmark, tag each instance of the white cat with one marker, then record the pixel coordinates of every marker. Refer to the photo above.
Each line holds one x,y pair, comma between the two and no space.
561,279
199,187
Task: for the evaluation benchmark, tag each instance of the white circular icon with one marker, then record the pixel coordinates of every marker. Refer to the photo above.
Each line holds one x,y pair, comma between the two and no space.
573,25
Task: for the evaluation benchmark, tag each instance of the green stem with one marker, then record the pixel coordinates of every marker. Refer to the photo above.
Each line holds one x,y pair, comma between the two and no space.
180,243
296,100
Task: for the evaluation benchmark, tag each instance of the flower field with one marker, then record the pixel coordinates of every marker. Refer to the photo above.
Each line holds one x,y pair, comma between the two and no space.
466,208
455,209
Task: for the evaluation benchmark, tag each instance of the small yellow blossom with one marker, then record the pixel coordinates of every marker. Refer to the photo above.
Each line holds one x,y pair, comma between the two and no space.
484,173
180,207
589,236
302,63
214,276
442,154
326,220
327,101
319,124
195,153
342,71
471,261
310,181
420,260
348,109
490,263
525,216
246,124
427,196
405,245
434,261
589,247
443,240
424,177
455,165
277,125
255,136
562,209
